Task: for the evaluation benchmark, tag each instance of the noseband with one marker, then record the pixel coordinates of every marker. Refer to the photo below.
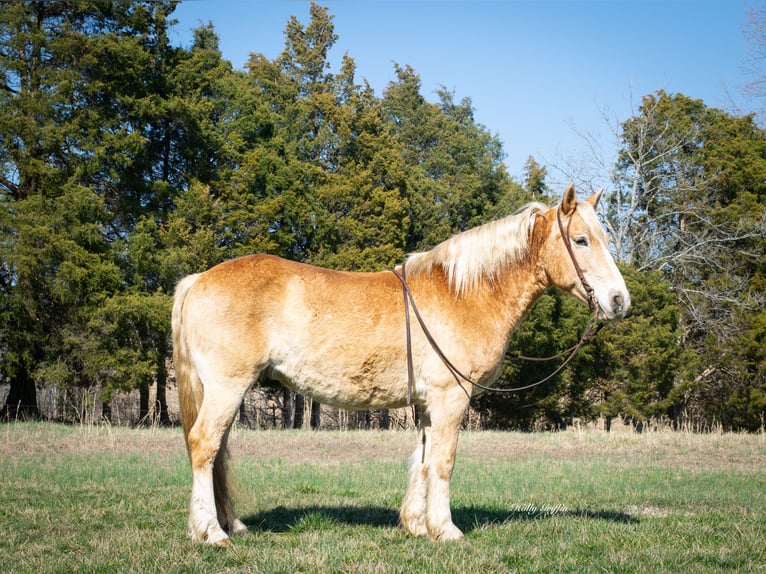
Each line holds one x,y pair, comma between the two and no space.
590,331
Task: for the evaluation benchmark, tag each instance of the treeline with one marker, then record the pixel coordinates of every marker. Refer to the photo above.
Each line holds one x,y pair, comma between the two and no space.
127,163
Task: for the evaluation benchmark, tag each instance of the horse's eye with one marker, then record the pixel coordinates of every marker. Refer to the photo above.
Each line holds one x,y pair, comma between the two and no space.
581,241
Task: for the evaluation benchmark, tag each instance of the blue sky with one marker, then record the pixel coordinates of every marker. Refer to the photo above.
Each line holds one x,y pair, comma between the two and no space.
539,74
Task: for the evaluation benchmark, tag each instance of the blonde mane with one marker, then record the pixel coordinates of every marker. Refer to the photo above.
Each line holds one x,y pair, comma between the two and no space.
480,253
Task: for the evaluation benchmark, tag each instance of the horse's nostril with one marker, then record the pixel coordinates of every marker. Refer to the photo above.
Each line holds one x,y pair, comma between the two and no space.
618,303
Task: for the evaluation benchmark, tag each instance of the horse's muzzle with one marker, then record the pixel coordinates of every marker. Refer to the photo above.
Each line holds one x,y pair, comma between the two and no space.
619,302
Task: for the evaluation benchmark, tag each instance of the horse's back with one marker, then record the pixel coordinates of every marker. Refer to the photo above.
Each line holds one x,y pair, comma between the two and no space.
260,286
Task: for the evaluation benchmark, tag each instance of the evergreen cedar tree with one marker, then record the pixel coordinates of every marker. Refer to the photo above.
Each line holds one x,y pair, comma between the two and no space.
127,163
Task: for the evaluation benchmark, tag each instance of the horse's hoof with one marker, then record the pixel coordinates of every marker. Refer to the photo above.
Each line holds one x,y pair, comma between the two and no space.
238,528
217,537
413,526
449,532
415,531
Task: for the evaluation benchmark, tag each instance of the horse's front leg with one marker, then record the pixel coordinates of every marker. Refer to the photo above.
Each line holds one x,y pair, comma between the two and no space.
445,420
412,515
426,507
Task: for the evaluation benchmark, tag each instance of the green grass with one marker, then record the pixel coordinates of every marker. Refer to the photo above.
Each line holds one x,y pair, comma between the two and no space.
89,499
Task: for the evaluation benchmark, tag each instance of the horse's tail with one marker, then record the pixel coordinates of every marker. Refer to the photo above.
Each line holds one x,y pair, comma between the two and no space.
190,390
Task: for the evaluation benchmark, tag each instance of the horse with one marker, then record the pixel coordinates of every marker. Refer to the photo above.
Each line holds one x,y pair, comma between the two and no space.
340,338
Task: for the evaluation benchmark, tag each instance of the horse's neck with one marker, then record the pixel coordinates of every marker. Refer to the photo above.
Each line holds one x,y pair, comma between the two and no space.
513,295
495,307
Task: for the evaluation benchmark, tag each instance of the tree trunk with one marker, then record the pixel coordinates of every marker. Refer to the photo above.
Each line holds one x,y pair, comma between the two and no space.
106,412
288,407
162,398
21,402
384,419
300,408
244,419
143,404
315,415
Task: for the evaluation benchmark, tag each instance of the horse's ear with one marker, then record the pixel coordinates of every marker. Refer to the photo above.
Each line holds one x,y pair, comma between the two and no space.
593,199
569,202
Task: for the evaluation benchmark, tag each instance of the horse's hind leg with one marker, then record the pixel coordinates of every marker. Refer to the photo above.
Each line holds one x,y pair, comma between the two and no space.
210,500
224,505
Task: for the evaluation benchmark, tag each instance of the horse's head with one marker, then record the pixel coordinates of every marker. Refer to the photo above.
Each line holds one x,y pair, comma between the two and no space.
576,256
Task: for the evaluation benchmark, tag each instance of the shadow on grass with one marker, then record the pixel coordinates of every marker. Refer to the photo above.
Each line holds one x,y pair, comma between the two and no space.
283,519
478,517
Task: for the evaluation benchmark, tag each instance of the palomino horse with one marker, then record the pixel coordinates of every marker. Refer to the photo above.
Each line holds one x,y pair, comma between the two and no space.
340,338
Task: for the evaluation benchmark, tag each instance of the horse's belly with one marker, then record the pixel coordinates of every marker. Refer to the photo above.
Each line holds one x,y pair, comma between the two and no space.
340,384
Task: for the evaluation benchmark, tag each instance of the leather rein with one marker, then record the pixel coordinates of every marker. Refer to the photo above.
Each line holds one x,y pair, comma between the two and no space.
590,332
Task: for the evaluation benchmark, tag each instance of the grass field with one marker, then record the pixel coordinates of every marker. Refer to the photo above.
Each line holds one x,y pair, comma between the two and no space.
101,499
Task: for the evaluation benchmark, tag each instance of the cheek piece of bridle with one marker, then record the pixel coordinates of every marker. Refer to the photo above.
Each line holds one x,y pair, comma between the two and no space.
591,330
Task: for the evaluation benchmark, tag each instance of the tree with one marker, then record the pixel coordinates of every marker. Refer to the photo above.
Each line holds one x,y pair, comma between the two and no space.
343,179
633,368
534,179
55,270
689,201
456,177
195,220
554,324
72,77
364,214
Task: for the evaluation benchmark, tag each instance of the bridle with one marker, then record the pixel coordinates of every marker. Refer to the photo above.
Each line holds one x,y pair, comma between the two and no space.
592,301
591,330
